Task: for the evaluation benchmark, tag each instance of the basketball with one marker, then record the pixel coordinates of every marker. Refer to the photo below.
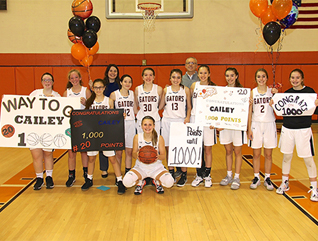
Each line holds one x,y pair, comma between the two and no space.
82,8
73,38
46,140
59,140
33,139
147,154
7,130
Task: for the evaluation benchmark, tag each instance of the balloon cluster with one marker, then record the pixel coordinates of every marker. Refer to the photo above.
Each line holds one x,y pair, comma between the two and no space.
83,34
283,11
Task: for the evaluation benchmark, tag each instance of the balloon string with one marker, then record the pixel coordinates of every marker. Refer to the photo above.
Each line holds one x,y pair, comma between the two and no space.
273,66
89,74
258,32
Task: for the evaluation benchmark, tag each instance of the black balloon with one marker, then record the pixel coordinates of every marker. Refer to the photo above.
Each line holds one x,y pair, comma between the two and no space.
76,25
93,23
271,32
89,38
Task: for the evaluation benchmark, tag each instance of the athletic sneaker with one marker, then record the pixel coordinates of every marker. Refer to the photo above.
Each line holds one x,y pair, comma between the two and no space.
49,182
268,184
177,174
235,184
226,181
314,194
139,188
70,181
159,188
182,181
284,187
196,182
208,181
103,175
121,187
88,183
255,183
38,184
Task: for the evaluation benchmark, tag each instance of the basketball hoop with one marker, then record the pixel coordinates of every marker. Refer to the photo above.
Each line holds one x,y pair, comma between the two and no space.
149,14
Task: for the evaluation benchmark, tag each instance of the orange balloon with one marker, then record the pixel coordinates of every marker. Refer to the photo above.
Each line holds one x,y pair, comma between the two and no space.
258,7
87,61
78,51
281,8
93,50
268,16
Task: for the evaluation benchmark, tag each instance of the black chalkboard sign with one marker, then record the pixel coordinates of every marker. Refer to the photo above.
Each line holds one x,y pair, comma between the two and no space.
97,130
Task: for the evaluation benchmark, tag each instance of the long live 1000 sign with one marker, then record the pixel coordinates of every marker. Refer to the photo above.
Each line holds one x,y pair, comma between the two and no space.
222,107
185,148
36,122
97,130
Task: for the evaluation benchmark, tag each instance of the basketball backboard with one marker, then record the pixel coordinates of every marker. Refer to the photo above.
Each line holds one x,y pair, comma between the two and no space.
169,8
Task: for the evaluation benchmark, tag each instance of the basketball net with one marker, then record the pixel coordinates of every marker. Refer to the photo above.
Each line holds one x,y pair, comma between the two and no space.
149,14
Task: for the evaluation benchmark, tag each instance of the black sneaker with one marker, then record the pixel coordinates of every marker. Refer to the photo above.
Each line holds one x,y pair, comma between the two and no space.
177,174
104,175
159,188
49,182
88,183
182,181
70,181
121,187
38,184
116,182
139,188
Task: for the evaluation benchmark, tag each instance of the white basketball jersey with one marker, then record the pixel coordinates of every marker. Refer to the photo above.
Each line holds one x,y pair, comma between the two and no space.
194,98
39,93
82,93
100,105
126,103
262,112
142,142
175,103
148,103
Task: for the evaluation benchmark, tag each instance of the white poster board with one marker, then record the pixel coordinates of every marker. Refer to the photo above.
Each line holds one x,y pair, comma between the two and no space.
287,104
36,122
185,145
222,107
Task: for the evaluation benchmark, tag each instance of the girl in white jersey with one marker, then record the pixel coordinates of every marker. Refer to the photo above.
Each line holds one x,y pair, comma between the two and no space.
232,139
74,88
99,101
156,170
124,99
262,128
38,154
209,133
147,98
176,101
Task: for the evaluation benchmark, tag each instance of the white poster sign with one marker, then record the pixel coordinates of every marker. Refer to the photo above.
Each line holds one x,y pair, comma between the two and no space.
287,104
185,145
36,122
222,107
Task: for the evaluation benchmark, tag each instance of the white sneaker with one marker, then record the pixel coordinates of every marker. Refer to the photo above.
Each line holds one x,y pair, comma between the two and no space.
235,184
268,184
284,187
255,183
196,182
226,180
208,181
314,194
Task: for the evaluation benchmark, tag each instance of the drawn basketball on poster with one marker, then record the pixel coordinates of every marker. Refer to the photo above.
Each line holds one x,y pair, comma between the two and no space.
33,139
46,139
7,130
59,140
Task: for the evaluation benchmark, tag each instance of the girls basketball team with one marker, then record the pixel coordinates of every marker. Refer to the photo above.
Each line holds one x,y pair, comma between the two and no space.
175,100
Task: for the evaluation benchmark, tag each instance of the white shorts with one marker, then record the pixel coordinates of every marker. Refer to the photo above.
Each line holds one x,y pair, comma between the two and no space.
44,149
165,127
149,170
237,137
209,135
105,153
302,138
139,130
130,132
264,133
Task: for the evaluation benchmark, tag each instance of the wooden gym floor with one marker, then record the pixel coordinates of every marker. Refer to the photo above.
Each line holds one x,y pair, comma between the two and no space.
185,213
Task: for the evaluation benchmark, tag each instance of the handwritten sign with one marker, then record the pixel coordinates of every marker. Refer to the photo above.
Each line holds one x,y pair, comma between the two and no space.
36,122
185,149
97,130
222,107
286,104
